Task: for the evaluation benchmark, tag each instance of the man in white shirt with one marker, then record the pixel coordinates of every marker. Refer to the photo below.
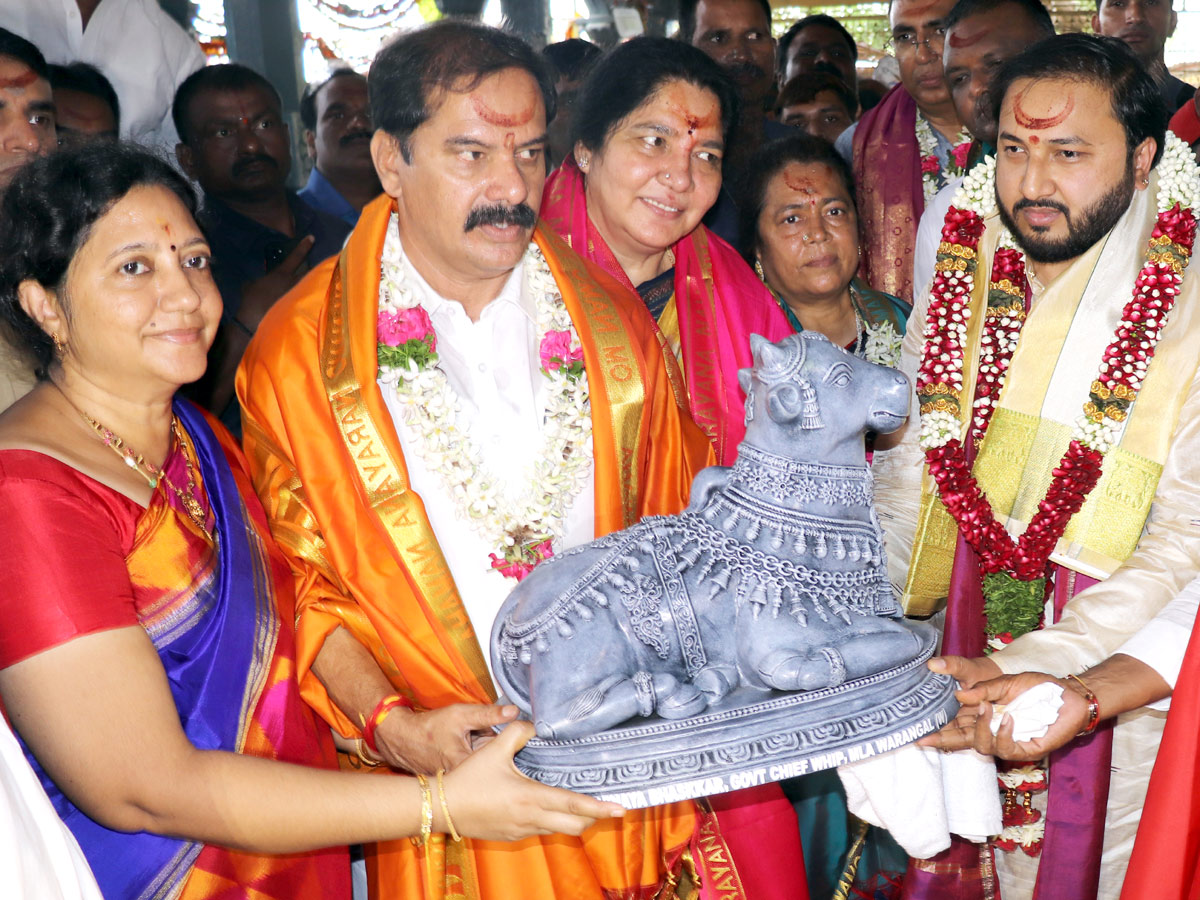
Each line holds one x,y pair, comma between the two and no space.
141,50
436,410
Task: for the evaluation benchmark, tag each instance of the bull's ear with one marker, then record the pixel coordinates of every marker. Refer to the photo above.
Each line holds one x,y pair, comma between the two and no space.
784,403
744,378
757,342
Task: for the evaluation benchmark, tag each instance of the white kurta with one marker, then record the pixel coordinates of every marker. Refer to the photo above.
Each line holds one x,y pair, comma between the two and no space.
1097,622
494,367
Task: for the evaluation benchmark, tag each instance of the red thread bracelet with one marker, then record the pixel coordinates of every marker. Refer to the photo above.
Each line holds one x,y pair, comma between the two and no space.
1093,706
385,706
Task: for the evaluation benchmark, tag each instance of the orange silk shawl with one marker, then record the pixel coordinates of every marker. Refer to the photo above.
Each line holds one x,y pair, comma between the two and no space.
327,462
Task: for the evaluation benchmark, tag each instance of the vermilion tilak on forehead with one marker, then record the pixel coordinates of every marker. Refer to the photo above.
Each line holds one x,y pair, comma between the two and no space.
83,118
958,41
799,183
499,119
24,80
1037,124
920,10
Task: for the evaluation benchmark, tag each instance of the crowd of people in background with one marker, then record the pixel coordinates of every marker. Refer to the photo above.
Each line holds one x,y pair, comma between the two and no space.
271,459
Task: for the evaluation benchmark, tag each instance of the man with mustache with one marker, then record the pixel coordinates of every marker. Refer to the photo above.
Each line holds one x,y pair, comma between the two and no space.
234,143
903,150
819,43
1145,26
337,132
451,400
1051,483
737,35
981,35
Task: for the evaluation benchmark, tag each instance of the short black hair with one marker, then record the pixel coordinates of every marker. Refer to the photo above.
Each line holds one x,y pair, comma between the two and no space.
571,59
687,18
816,19
86,79
308,100
631,72
47,215
226,77
768,161
805,87
452,55
16,47
1034,9
1105,62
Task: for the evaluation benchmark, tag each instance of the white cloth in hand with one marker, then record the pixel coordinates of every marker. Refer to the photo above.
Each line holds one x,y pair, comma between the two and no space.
922,795
1032,713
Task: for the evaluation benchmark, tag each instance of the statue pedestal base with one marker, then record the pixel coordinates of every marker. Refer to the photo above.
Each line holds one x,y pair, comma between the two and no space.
751,737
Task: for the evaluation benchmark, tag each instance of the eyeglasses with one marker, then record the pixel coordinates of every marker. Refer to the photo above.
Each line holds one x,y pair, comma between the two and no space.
907,43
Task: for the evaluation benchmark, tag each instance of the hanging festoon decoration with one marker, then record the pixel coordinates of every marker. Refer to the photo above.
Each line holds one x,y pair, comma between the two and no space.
208,24
349,31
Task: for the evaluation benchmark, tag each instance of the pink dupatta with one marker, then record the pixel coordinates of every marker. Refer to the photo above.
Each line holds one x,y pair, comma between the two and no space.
720,303
719,300
887,175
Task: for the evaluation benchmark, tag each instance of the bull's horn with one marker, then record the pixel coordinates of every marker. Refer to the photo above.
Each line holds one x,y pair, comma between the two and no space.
744,378
757,342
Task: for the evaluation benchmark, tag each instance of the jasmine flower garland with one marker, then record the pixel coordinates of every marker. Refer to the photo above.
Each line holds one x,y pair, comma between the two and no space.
523,528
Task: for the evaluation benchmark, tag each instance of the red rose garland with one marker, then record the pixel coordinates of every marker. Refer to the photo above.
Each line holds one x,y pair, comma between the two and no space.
939,388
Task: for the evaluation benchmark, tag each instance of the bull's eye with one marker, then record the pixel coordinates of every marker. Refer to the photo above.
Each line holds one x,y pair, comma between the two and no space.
839,375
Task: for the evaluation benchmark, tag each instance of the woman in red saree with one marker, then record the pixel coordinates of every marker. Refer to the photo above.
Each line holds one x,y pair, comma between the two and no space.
650,125
146,647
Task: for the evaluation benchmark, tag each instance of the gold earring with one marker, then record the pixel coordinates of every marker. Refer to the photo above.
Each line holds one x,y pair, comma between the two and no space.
60,346
758,270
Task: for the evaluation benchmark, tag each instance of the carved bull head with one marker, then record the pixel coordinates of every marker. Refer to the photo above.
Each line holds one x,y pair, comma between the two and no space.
790,396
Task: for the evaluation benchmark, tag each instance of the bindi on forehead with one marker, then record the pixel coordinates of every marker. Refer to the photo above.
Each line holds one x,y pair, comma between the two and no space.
958,41
500,119
1036,123
1034,139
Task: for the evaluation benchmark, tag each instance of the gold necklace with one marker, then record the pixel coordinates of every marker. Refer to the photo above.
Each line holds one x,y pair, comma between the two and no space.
153,474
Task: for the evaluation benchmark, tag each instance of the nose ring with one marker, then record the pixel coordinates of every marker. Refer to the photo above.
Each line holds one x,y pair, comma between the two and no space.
666,176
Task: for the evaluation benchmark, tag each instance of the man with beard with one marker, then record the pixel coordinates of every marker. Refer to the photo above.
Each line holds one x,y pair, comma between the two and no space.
905,149
1040,371
1145,26
981,35
819,43
235,145
737,35
451,400
337,132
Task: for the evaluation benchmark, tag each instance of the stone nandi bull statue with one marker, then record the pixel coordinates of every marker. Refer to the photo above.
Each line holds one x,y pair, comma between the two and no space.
775,576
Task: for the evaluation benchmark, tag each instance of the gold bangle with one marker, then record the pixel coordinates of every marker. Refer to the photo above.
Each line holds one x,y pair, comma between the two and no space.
445,806
369,762
426,811
1093,707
